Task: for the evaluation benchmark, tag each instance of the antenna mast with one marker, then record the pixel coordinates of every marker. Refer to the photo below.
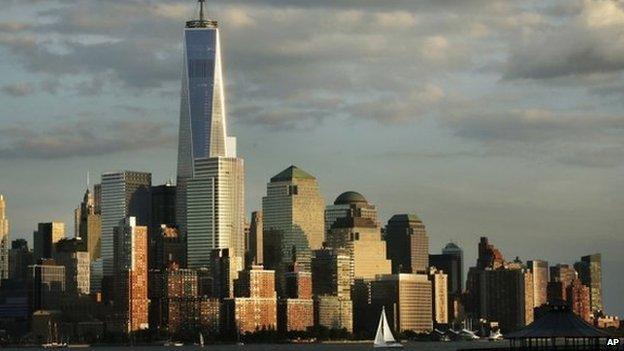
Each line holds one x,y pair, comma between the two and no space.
201,9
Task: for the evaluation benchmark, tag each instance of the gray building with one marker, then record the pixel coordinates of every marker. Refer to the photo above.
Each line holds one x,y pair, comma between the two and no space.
590,273
407,244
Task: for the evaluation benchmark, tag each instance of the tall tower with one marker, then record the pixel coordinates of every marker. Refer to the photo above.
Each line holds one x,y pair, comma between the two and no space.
4,241
407,244
209,197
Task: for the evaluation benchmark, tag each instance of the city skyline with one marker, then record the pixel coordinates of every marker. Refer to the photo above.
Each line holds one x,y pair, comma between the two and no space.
535,204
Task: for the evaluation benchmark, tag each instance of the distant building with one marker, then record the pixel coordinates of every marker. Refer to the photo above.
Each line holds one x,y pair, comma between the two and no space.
168,247
357,231
439,296
333,312
96,275
456,274
590,273
73,255
4,241
88,225
295,312
255,245
578,297
46,285
331,272
162,215
44,238
451,263
561,276
507,297
130,267
407,300
124,194
255,305
20,257
292,221
407,244
539,269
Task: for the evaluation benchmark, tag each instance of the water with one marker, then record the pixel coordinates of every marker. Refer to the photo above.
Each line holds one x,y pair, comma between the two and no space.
416,346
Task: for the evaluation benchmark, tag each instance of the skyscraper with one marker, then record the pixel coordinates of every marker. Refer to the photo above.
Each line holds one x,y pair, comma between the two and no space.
20,257
130,267
203,129
73,255
407,244
590,273
4,241
456,281
210,186
293,221
124,194
88,225
540,281
357,231
256,236
44,238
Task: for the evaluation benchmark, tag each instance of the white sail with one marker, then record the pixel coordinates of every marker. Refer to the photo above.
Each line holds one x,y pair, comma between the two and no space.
201,339
387,333
379,337
384,337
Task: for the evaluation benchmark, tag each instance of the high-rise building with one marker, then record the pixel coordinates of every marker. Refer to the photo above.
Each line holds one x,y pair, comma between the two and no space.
540,281
293,221
130,267
168,248
349,204
489,256
439,296
88,225
210,177
215,216
163,199
20,257
506,297
357,231
46,285
590,273
255,304
331,272
333,312
407,301
456,274
295,312
4,241
579,299
73,255
407,244
561,276
124,194
255,245
45,237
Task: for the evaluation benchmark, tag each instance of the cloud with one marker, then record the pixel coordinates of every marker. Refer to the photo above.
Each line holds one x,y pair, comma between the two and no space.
17,89
83,139
591,42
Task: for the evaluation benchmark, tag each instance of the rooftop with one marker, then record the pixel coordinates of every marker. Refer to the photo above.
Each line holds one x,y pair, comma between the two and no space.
291,173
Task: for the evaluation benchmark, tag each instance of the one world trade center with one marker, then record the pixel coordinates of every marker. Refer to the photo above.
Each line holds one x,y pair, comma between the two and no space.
209,200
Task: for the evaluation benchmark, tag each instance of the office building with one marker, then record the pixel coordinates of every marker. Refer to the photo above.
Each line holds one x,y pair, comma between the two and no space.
407,300
168,247
46,285
215,217
407,244
439,296
360,236
561,276
333,312
590,273
331,272
579,300
45,237
255,244
349,204
88,225
96,275
4,241
539,269
163,198
293,221
20,257
124,194
255,304
130,267
456,273
73,255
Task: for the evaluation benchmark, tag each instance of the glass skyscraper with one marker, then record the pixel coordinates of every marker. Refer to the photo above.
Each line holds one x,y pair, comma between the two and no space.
209,199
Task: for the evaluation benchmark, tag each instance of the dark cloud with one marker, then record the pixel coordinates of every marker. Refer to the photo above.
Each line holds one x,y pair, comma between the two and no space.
84,138
17,89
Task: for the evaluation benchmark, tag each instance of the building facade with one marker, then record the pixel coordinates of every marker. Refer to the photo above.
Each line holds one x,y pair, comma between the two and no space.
88,225
590,273
255,305
4,241
44,238
439,296
46,285
73,255
539,269
407,244
293,221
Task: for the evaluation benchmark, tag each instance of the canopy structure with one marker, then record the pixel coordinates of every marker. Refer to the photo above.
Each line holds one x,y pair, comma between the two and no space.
558,329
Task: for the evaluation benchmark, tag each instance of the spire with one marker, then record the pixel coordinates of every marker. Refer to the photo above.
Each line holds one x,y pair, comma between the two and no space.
201,9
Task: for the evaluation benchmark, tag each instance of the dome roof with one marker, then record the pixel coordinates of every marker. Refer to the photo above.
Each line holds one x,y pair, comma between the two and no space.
350,197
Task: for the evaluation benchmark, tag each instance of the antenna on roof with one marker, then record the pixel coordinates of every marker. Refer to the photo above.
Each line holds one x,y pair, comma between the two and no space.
201,9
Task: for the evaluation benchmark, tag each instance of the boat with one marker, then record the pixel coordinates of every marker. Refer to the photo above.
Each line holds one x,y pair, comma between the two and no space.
384,337
53,333
54,345
201,339
495,335
467,334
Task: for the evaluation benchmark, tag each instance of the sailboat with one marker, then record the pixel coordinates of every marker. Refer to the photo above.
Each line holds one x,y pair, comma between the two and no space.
384,337
201,339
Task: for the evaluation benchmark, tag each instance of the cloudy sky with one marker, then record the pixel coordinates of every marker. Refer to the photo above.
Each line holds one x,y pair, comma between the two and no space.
495,118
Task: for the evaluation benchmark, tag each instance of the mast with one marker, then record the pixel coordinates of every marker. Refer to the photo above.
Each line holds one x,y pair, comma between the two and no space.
201,9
